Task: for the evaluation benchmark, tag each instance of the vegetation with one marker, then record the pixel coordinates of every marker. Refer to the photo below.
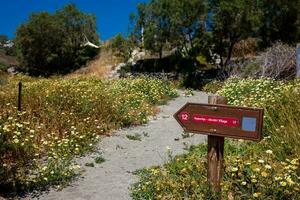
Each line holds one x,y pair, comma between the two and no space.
52,43
99,160
269,169
282,26
62,118
6,60
232,21
213,28
121,46
164,24
136,136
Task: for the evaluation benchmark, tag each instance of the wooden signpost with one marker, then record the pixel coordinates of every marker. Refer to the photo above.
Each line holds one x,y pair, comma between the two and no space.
218,120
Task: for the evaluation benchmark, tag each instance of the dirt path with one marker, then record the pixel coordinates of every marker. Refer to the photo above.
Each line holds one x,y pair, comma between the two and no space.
111,180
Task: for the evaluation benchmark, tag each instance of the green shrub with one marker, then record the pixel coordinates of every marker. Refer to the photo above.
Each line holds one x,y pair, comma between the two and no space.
213,87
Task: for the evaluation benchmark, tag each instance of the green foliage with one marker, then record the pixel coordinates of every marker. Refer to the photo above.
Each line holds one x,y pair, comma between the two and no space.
188,92
269,169
214,27
3,67
62,118
122,47
99,160
136,136
249,69
281,20
213,87
165,24
232,21
90,164
51,43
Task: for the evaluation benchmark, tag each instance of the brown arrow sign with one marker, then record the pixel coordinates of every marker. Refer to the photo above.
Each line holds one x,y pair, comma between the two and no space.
221,120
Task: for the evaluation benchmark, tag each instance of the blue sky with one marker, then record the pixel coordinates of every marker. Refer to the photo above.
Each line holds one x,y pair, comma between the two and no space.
112,15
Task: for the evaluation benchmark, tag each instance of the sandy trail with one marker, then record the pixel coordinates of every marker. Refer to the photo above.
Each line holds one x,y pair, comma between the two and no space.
112,179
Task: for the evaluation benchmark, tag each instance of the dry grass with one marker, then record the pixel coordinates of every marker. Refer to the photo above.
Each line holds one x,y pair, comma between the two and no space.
7,60
101,66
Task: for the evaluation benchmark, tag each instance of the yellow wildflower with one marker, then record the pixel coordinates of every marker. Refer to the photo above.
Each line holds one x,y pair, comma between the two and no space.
256,194
290,181
295,162
264,174
283,183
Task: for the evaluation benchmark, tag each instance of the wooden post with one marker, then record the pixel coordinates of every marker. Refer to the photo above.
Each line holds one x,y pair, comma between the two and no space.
215,153
20,97
298,60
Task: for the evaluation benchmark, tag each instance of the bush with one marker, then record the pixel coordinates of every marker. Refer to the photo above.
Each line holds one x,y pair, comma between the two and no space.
278,62
213,87
62,118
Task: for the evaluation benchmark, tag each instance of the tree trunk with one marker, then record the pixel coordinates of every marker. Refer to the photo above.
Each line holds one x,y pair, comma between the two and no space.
229,53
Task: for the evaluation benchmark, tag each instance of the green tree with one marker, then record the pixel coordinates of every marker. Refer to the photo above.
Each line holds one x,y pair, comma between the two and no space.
232,21
281,21
156,27
121,46
188,25
49,44
168,24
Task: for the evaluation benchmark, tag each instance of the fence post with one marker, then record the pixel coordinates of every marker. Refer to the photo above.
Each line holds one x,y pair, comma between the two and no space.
298,60
20,97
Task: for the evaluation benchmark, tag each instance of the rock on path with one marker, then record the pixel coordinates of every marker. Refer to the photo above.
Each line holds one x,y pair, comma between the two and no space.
112,179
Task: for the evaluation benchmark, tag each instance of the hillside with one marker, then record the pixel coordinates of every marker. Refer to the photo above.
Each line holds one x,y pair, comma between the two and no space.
101,66
6,61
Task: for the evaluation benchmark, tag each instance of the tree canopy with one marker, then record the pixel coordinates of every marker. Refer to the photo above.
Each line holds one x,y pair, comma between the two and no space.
51,43
281,21
233,20
213,27
121,46
168,24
